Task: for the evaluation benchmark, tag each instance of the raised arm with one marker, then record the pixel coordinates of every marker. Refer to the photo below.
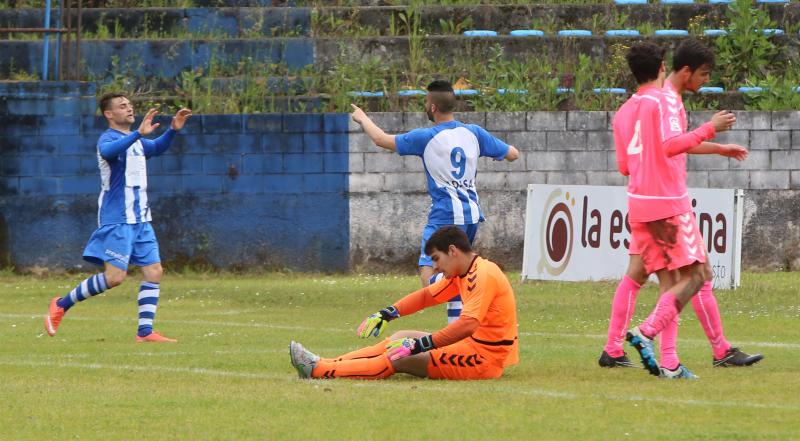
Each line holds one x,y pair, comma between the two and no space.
378,136
155,147
111,149
161,144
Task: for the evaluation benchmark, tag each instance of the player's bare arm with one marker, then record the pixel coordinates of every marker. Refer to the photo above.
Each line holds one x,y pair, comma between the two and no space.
180,119
727,150
378,136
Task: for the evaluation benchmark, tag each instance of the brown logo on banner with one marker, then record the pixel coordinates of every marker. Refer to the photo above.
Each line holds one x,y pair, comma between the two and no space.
557,233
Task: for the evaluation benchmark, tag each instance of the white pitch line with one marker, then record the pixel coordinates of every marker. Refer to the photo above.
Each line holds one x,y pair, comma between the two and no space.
171,353
186,322
691,341
451,388
694,341
148,368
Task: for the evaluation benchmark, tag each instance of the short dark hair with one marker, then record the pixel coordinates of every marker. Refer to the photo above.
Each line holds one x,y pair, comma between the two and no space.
442,238
442,94
105,100
645,60
692,53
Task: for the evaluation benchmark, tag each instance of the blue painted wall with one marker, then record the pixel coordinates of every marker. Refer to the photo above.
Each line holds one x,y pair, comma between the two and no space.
234,191
162,58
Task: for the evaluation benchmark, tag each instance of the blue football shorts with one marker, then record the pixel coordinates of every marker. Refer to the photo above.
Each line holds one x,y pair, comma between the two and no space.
424,259
122,245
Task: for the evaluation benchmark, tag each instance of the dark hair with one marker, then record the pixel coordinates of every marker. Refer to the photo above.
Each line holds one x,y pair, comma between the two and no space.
692,53
645,60
442,238
441,93
440,86
105,100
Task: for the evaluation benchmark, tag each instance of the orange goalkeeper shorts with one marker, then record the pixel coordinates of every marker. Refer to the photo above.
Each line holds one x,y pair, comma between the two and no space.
463,360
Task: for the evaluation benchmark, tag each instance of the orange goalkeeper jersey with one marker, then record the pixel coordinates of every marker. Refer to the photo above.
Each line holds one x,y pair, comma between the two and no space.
487,297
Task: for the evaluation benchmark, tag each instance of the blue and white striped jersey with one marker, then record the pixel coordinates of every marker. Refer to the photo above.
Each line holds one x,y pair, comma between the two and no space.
123,174
450,154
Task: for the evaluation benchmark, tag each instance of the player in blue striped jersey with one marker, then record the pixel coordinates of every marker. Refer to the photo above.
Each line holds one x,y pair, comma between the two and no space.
124,235
449,152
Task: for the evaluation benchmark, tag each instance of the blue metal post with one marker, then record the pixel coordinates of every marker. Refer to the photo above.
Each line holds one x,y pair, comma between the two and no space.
57,63
46,40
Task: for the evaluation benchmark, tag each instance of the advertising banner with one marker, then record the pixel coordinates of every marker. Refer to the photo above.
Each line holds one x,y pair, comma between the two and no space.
579,232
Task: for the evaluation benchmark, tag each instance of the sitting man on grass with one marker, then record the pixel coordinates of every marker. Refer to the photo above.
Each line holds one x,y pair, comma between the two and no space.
479,345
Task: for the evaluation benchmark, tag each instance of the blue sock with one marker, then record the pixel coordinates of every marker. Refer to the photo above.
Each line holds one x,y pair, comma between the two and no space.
435,278
148,302
88,288
454,306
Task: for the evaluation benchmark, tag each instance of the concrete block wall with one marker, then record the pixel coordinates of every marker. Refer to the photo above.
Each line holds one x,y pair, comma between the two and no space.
311,191
233,191
389,203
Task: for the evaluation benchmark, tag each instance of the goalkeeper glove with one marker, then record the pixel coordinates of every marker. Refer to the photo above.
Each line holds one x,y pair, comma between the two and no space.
403,347
373,325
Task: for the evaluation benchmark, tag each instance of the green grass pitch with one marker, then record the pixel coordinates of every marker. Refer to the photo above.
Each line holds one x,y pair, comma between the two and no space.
229,377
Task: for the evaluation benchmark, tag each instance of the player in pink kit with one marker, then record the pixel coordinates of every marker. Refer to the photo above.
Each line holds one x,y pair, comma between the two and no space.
692,65
659,209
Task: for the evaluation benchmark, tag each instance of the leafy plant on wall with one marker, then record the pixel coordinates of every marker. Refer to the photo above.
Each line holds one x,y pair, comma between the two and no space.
745,52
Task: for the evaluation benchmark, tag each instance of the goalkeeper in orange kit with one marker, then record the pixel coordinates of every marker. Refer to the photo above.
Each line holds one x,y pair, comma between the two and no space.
479,345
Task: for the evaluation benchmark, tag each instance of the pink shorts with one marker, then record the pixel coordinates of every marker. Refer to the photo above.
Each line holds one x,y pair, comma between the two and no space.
633,248
669,243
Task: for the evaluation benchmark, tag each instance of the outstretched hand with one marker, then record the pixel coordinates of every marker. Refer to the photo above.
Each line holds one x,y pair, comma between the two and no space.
146,127
733,151
180,118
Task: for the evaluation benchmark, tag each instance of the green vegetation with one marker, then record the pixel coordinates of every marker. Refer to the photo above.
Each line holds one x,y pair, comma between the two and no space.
744,57
745,52
7,4
229,375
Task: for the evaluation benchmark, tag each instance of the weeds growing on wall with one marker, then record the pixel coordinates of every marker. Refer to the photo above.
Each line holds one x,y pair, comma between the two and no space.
745,52
780,92
744,57
16,74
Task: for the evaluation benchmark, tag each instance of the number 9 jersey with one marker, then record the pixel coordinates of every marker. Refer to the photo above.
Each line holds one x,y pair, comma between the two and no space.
450,153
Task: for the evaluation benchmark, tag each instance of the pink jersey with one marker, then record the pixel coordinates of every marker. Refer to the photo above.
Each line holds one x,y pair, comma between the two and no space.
651,146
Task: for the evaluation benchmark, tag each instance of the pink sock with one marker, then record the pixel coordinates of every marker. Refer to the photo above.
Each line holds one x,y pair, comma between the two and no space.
669,336
622,308
705,306
665,311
